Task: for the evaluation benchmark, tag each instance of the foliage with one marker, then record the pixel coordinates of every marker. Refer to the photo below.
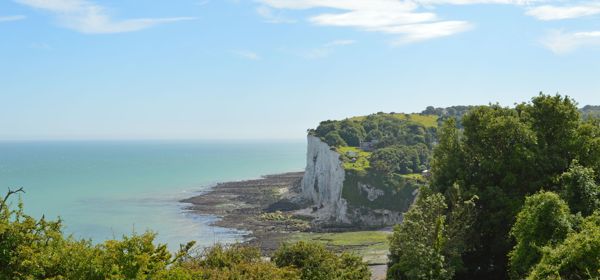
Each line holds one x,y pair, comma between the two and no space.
503,155
384,129
427,245
316,263
372,246
544,220
352,132
589,112
579,189
397,190
334,139
235,262
37,249
400,159
578,257
391,146
588,145
354,158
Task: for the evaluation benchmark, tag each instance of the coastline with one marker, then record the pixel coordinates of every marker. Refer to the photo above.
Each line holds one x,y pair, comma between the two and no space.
271,211
264,208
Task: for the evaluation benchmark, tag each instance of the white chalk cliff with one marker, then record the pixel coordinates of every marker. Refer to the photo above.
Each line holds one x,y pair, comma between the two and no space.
323,183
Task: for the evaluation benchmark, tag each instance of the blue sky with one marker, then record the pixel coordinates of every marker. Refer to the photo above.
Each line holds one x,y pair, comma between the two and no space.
225,69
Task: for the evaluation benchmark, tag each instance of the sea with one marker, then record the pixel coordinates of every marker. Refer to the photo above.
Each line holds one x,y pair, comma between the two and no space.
106,189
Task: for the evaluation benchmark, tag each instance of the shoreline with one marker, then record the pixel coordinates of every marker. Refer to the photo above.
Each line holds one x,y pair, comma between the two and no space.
263,207
271,211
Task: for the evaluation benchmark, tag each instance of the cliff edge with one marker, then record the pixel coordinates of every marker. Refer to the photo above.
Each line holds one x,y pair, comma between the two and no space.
338,198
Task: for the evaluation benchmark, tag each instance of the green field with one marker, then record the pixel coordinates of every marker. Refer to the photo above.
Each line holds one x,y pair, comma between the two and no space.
362,158
425,120
373,246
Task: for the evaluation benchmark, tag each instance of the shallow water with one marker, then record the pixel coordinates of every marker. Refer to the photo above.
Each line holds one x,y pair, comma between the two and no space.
103,190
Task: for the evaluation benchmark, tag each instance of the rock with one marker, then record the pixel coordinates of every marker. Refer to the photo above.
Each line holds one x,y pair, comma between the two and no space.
322,186
323,181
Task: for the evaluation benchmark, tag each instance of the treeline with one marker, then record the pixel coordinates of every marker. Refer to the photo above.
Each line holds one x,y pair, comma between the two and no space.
384,129
514,195
399,145
32,249
590,111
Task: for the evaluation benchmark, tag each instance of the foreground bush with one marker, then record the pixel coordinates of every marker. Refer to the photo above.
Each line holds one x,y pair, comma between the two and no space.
316,262
37,249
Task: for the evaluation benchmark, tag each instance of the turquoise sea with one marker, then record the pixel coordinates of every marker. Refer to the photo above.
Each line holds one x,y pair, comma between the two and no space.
104,189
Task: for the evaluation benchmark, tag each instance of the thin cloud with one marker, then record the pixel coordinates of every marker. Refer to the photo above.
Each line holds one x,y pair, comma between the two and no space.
12,18
427,31
401,18
561,42
90,18
271,16
250,55
340,43
412,21
327,49
549,12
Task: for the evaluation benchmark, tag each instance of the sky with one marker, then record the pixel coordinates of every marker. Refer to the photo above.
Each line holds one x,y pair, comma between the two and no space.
270,69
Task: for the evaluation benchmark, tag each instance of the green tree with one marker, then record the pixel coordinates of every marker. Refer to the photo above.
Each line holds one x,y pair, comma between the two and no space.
427,245
326,127
580,190
352,132
588,145
502,156
555,120
578,257
334,139
544,220
448,159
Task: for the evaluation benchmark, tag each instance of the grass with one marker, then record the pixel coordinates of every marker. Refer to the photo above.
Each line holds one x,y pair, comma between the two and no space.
414,176
425,120
362,158
373,246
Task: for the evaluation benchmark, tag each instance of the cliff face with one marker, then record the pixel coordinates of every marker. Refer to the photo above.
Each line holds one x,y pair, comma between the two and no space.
325,182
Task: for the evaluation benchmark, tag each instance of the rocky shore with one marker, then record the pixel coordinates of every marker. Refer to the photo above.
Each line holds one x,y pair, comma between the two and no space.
266,208
272,211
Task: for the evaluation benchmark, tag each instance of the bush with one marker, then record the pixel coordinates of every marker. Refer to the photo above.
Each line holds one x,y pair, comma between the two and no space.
317,263
544,220
578,257
37,249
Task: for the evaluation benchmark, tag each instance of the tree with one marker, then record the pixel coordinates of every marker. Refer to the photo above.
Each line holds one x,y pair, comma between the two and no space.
429,242
400,159
448,156
326,127
580,190
502,156
543,221
333,139
588,145
578,257
555,120
352,132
